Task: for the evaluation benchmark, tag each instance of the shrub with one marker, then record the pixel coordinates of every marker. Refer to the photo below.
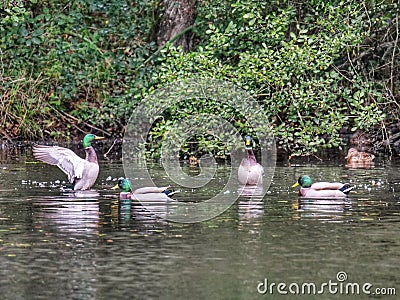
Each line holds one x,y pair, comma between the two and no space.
293,60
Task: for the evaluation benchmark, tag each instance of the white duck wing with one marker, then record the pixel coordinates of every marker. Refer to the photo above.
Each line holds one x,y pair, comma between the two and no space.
70,163
326,185
152,198
150,190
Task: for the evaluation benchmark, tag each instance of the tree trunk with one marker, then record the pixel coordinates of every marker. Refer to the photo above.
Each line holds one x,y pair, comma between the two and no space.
178,15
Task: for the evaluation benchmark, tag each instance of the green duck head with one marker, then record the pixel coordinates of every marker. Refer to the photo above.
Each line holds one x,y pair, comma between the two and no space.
249,142
304,181
124,185
89,138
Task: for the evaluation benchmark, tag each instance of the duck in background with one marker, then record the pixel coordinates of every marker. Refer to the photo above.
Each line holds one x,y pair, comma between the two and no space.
250,172
359,155
321,189
193,161
355,157
82,173
156,193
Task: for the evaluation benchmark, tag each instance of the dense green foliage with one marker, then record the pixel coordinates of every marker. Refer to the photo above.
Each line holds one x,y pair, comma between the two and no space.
297,62
74,61
316,67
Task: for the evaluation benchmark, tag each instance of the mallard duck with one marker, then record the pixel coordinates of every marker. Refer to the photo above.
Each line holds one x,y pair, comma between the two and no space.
250,172
358,157
321,189
152,192
193,161
82,173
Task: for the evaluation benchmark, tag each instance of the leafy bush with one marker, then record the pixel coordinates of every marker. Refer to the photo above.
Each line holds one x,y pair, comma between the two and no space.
86,58
292,59
316,67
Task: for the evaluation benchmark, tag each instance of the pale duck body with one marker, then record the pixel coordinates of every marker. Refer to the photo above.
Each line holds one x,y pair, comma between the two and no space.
250,172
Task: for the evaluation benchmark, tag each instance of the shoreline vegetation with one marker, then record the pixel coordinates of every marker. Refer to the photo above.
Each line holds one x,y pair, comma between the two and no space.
111,149
326,73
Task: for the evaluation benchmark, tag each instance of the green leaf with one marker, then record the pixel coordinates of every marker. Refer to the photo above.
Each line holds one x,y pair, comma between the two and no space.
36,40
23,31
248,16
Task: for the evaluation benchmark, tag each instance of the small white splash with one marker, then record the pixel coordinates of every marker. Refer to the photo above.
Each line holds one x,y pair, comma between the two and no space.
109,178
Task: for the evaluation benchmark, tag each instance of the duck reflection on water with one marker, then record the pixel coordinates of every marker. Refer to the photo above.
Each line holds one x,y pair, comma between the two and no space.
251,191
330,210
67,215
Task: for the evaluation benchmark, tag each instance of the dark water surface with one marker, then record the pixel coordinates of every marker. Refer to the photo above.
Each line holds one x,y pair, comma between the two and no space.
91,245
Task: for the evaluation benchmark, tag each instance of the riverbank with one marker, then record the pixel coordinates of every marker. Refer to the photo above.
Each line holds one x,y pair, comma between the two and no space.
111,148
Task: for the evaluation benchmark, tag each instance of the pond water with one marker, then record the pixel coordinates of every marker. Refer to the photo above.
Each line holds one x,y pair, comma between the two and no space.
56,245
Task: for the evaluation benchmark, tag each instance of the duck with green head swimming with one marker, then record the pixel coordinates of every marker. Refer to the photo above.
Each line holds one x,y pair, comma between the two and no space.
154,192
321,189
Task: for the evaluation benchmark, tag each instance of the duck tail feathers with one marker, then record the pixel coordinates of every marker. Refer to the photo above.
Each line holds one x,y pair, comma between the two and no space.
346,188
170,193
